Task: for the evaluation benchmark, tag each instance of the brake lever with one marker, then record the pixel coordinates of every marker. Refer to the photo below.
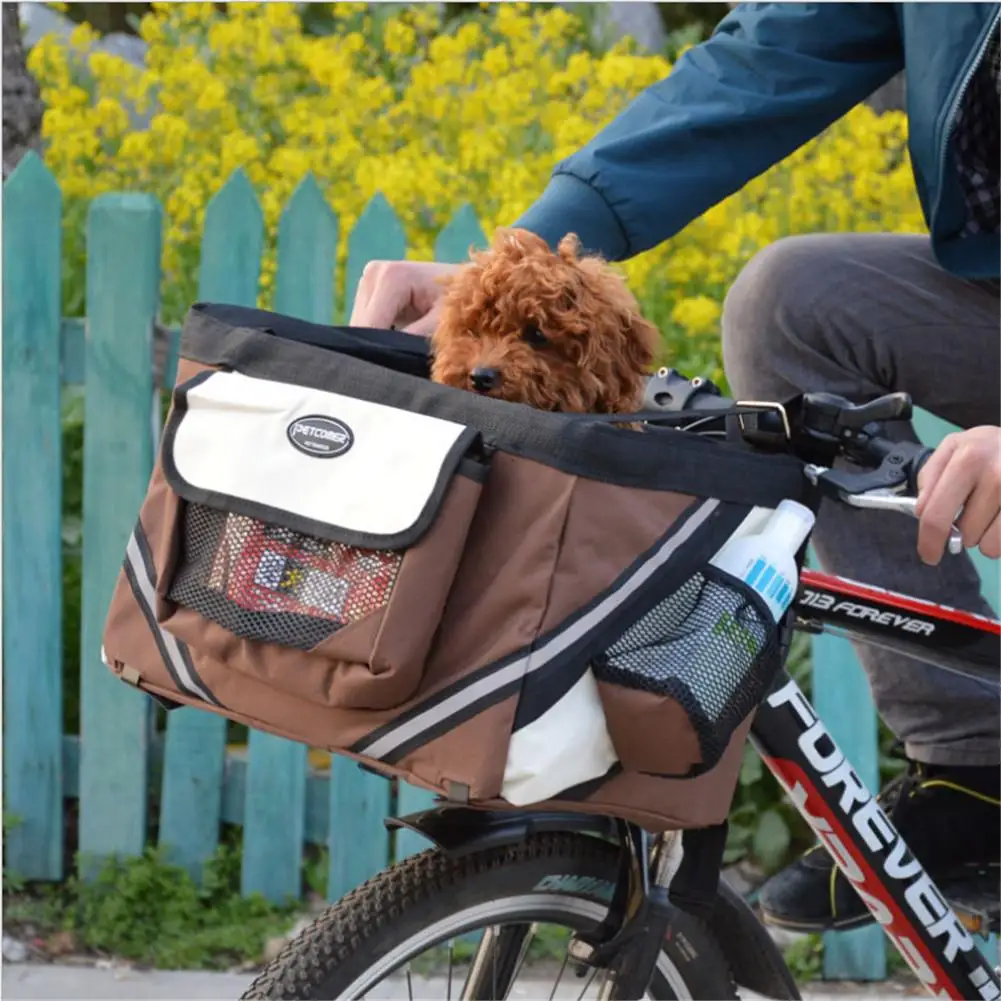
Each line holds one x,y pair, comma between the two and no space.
835,417
884,499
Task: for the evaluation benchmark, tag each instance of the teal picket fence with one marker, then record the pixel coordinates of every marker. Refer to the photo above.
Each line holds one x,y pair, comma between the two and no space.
282,798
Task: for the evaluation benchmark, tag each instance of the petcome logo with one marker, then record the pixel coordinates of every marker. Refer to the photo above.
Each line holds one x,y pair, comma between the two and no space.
320,437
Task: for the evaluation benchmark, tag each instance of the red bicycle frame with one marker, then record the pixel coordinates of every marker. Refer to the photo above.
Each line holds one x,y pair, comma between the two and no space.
937,634
822,784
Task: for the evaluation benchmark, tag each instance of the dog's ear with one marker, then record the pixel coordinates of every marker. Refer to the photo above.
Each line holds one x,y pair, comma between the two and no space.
641,342
503,237
569,247
508,240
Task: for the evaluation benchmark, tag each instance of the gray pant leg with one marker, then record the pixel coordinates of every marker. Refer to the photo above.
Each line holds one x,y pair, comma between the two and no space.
860,315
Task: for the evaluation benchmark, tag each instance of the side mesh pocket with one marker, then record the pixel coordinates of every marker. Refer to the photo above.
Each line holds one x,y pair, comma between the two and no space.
681,679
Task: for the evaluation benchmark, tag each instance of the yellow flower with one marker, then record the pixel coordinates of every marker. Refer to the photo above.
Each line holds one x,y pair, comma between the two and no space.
399,38
238,148
212,97
431,118
83,37
697,314
110,117
136,146
169,133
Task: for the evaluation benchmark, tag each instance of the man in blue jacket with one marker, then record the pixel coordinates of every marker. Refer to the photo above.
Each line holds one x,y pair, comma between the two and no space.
853,314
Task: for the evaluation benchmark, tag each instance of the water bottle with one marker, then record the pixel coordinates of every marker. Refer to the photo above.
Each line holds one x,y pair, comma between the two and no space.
766,561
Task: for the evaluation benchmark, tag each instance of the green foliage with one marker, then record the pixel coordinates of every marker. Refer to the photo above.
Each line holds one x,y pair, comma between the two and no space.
12,882
30,910
695,20
763,824
11,821
315,866
148,911
805,958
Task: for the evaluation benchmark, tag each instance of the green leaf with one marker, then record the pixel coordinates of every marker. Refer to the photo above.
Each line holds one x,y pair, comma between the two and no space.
751,768
733,854
771,839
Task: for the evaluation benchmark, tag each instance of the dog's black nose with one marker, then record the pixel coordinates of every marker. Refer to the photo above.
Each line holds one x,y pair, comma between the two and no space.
484,379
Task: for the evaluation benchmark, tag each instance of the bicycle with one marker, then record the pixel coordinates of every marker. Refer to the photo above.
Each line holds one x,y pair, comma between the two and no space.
636,918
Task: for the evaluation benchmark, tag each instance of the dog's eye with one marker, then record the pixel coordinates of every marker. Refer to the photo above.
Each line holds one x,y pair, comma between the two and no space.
534,336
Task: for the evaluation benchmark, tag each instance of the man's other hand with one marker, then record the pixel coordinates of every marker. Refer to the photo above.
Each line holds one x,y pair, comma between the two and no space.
962,474
401,294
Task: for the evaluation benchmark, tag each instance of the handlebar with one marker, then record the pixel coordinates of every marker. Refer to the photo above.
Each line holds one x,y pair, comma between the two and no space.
818,428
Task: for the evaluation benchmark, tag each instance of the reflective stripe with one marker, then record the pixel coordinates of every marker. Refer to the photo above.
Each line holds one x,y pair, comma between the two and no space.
439,714
174,653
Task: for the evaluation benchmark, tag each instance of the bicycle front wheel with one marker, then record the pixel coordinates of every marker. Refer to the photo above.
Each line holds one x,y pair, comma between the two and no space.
493,924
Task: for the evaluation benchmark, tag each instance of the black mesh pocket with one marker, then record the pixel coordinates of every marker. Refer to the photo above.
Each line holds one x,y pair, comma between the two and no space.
711,646
271,584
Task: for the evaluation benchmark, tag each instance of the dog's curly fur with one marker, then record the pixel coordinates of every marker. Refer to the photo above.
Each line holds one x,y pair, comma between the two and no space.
556,331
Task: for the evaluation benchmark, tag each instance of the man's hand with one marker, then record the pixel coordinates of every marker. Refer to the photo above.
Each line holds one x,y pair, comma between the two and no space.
402,294
963,473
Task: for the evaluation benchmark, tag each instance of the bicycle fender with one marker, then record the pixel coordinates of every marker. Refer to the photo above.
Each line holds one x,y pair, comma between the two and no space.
462,830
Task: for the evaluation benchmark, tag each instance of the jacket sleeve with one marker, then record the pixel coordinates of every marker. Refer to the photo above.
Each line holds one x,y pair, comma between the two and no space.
770,78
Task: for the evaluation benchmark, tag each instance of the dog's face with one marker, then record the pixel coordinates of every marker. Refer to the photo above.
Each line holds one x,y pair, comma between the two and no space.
556,331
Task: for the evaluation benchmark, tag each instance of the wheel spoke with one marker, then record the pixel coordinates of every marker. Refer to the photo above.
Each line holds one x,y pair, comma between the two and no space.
525,946
590,980
451,958
497,961
559,976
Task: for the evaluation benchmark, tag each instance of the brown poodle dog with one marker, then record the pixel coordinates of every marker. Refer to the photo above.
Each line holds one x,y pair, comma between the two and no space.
556,331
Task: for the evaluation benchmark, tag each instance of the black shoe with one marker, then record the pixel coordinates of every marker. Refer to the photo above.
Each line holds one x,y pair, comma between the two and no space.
950,818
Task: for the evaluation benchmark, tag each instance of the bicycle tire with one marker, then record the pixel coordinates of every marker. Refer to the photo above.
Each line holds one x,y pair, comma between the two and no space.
346,943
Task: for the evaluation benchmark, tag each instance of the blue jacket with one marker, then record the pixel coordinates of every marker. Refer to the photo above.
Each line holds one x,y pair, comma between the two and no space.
771,77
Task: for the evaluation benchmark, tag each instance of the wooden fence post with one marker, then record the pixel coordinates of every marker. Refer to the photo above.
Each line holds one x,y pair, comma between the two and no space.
307,255
274,813
123,278
462,232
32,523
195,748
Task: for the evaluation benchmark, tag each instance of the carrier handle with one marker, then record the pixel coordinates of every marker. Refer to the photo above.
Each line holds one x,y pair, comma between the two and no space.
670,418
671,399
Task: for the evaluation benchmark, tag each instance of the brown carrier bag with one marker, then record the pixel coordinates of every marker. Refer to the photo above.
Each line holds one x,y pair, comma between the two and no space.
336,550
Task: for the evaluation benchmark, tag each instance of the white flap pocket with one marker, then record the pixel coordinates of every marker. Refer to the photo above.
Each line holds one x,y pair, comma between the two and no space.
319,463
